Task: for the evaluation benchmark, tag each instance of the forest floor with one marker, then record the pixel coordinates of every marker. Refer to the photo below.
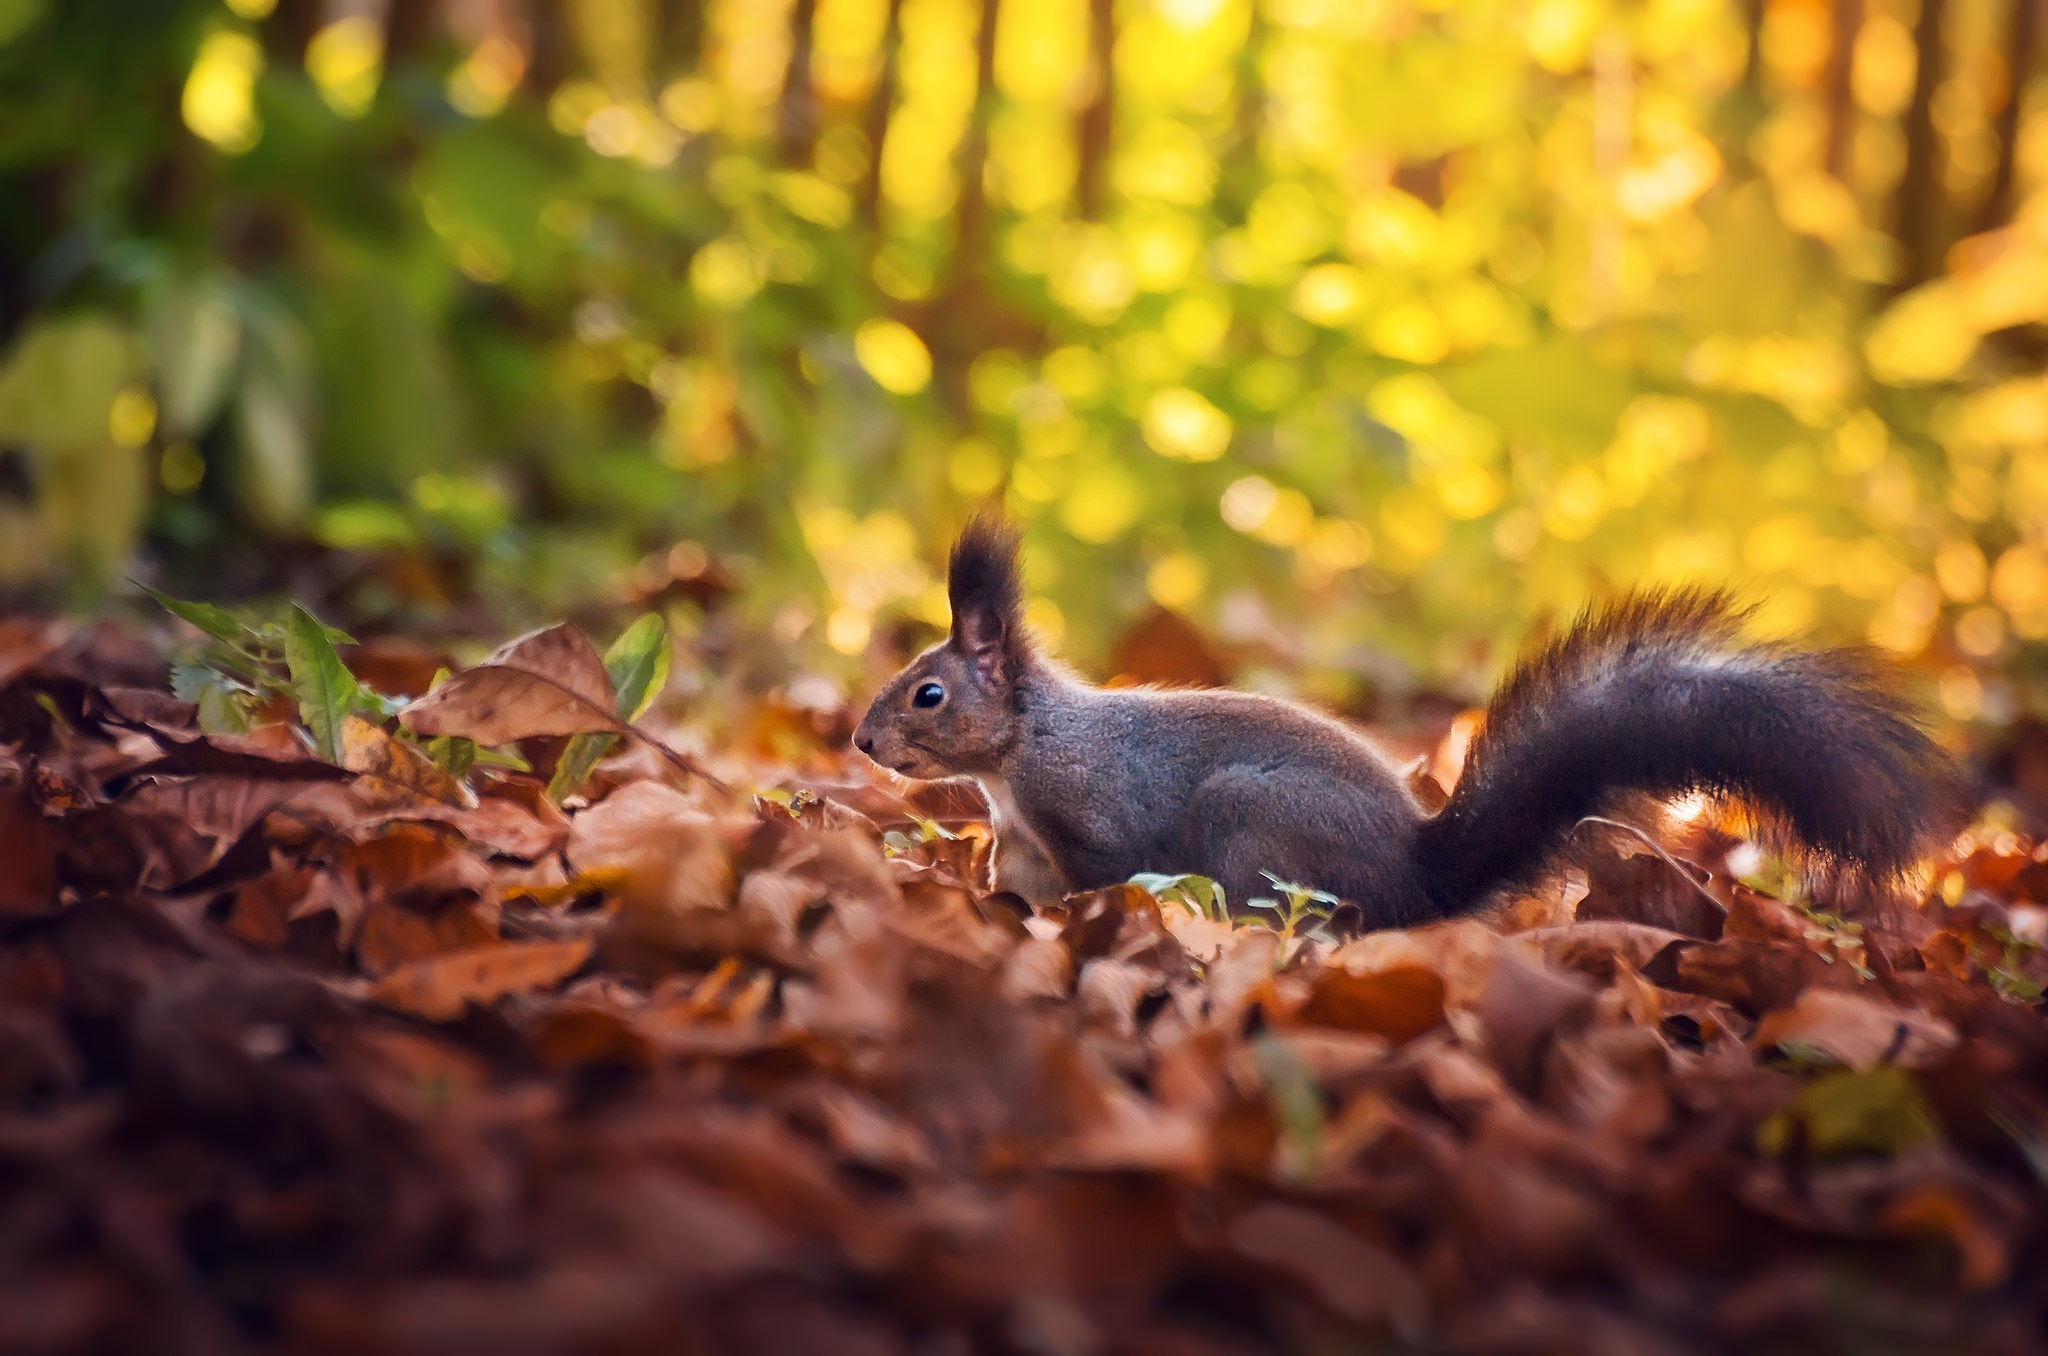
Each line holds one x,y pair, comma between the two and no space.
392,1051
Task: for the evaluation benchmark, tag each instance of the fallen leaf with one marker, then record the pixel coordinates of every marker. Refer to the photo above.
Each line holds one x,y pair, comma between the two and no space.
1357,1279
393,773
637,668
1399,1004
28,885
439,989
547,682
1857,1030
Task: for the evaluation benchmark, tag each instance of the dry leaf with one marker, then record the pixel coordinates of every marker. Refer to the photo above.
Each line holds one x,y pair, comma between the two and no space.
391,772
548,682
439,989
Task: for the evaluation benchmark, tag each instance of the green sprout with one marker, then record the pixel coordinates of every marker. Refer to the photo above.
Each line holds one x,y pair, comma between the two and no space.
1199,895
1298,904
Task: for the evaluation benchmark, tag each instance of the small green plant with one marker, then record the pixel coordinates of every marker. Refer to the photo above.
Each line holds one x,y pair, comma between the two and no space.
2007,974
1199,895
896,842
1298,904
244,662
1839,939
1296,1098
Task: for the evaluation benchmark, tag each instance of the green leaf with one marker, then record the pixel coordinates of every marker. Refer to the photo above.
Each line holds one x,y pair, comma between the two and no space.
223,702
1881,1111
325,688
1199,895
637,664
217,622
1297,1102
506,758
453,753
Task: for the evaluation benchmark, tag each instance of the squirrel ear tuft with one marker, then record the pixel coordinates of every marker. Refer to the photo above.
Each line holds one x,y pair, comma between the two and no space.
987,595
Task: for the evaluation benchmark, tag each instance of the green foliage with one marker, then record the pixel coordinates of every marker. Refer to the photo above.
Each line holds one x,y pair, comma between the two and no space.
327,692
2008,974
229,678
1297,1102
1398,325
1199,895
1297,904
895,842
1879,1111
217,622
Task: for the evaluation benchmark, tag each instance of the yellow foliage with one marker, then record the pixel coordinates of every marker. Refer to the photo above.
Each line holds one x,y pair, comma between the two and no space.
346,61
1180,423
1924,336
894,356
219,103
1102,503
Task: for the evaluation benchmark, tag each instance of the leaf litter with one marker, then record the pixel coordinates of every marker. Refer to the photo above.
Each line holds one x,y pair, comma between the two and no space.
332,1035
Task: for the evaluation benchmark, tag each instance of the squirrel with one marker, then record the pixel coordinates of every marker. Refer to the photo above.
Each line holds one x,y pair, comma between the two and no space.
1654,694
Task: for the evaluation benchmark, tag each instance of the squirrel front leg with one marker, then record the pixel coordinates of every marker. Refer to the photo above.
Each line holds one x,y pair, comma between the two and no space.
1020,866
1020,863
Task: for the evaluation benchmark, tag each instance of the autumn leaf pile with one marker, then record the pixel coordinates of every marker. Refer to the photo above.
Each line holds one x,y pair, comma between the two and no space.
313,1042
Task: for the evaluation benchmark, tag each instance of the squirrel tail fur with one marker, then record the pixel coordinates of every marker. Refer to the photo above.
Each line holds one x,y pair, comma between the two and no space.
1659,694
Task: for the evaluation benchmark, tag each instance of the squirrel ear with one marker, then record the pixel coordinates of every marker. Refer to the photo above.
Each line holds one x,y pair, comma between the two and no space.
987,596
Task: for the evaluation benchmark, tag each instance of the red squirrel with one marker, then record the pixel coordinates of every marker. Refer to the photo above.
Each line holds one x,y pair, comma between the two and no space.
1656,693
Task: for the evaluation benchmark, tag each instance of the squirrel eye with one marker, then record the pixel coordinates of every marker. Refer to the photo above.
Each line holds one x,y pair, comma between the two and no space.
931,694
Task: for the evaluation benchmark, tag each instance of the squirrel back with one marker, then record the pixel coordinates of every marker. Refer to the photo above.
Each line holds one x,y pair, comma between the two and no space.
1656,694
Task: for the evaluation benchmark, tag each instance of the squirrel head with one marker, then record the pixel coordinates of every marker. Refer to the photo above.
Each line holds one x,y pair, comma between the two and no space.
954,709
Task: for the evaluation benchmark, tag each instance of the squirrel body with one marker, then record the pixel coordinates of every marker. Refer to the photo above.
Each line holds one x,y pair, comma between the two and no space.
1656,694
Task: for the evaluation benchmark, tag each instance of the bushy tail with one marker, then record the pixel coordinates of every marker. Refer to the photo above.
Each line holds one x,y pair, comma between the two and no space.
1659,694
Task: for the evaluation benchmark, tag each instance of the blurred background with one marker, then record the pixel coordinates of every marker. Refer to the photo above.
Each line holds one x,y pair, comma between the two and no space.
1330,344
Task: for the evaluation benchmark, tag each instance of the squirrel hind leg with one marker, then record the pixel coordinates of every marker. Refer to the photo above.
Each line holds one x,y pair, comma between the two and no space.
1309,828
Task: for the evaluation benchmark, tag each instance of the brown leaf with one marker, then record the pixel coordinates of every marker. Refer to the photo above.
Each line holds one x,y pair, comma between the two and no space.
502,826
269,752
1940,1211
1039,968
1633,885
417,866
1858,1030
548,682
1357,1279
666,854
440,988
1753,976
1525,1005
389,937
1596,948
674,876
391,772
1399,1004
184,826
28,882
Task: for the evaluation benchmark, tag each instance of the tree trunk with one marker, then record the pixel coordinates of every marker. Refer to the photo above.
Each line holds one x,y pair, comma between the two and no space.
1920,195
2022,26
797,125
1841,95
1753,68
971,246
1096,127
881,102
682,36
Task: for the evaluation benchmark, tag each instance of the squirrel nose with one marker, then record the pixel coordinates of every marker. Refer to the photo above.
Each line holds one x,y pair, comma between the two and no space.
865,743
